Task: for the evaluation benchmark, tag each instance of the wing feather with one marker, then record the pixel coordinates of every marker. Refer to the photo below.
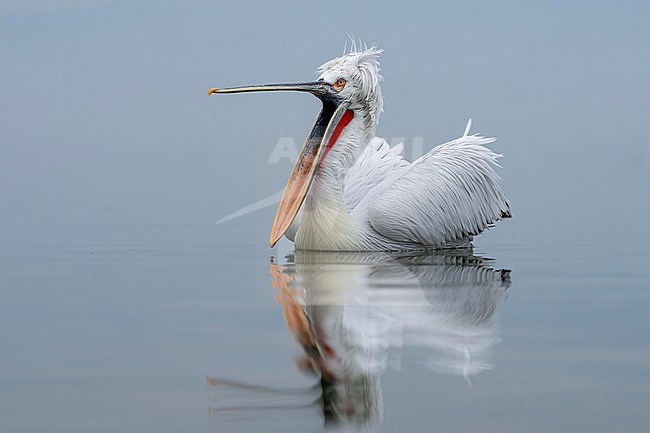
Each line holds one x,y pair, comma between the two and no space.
447,195
377,162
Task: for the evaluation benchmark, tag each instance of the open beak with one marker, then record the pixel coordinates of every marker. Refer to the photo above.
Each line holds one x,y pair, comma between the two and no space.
305,167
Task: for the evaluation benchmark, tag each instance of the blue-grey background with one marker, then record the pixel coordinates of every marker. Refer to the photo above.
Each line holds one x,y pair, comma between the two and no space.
114,165
105,113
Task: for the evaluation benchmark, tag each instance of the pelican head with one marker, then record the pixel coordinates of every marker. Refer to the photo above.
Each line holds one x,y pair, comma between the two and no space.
348,87
357,75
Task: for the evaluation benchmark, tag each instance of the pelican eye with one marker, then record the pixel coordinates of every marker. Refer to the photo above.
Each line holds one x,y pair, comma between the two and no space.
340,84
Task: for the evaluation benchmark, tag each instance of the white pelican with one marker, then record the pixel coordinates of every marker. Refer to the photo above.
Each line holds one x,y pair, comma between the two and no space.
350,191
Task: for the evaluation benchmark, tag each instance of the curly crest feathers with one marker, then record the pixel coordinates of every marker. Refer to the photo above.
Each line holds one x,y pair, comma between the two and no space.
360,67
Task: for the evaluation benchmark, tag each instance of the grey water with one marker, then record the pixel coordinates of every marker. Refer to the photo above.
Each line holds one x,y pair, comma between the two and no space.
194,327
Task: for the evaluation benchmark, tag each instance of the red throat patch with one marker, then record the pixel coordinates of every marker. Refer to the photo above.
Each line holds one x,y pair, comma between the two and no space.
345,121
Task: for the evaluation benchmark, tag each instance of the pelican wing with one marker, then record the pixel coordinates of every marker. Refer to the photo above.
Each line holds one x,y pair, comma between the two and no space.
378,162
448,195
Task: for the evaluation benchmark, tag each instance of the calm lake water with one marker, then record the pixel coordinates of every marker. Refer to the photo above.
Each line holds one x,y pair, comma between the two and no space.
201,328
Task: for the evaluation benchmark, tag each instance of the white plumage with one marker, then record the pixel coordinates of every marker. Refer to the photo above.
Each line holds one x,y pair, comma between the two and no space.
349,191
366,197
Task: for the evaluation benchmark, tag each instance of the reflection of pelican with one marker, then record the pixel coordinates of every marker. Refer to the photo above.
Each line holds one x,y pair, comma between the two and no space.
352,313
348,311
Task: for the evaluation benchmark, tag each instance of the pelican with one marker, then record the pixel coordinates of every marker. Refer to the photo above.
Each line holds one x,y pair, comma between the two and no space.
351,191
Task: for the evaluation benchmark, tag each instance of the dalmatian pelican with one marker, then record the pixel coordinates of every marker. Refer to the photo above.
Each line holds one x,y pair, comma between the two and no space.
351,191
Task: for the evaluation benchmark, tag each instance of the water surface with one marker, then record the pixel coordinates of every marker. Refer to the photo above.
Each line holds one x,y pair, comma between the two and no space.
167,328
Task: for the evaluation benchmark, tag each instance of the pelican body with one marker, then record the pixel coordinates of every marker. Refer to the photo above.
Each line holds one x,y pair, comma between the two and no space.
350,191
